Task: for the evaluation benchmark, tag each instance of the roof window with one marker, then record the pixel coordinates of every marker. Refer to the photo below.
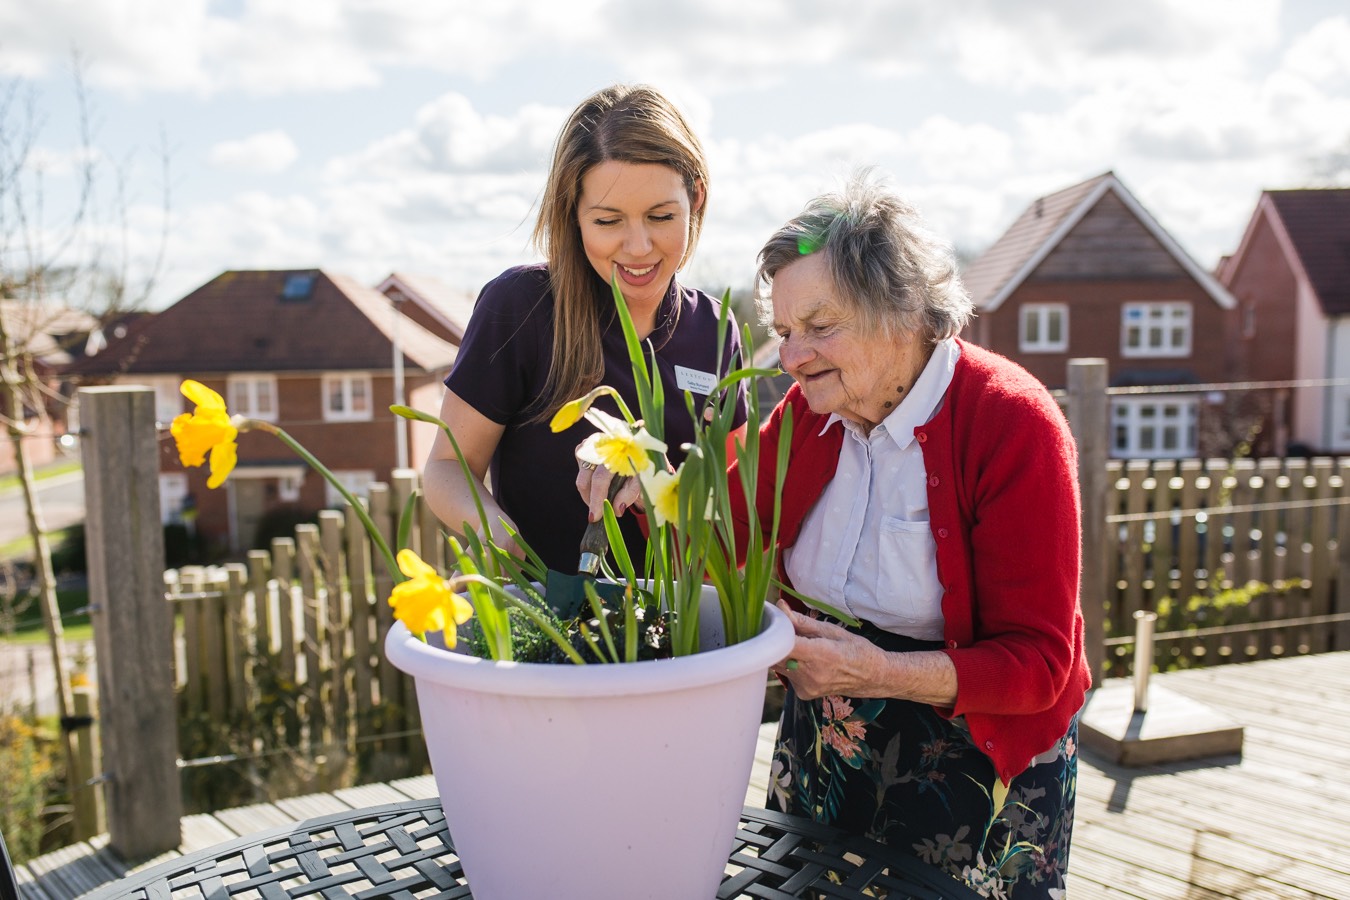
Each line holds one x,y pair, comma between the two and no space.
298,287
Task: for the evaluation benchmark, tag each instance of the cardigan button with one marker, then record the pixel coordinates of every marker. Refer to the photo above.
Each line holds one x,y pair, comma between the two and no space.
989,745
922,437
942,532
932,481
951,644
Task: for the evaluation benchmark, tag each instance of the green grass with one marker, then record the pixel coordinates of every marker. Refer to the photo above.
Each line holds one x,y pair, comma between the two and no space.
29,629
60,468
22,548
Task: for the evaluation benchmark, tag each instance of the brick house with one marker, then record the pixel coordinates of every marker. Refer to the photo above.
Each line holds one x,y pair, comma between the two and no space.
1088,272
45,337
311,350
1291,277
437,307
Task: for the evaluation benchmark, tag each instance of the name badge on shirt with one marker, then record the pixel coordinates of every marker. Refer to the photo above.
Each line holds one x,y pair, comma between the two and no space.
694,381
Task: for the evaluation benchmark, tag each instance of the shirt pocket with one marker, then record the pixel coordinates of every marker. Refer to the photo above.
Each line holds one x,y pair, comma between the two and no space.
909,586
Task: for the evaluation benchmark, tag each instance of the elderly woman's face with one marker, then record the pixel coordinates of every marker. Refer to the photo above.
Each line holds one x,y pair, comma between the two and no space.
824,348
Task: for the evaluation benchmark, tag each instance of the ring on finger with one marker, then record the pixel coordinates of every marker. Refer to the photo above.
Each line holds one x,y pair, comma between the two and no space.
587,465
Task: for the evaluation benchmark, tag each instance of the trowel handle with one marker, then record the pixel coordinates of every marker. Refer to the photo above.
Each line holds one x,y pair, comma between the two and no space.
595,541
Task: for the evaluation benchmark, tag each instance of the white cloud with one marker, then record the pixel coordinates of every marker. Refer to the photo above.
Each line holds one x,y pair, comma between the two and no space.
1323,54
267,153
951,150
450,135
123,44
1058,45
974,107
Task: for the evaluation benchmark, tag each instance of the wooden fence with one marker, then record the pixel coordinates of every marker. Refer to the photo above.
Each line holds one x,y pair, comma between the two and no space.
1243,559
281,657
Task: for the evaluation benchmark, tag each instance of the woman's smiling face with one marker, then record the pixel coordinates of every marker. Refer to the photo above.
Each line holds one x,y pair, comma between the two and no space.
824,348
634,220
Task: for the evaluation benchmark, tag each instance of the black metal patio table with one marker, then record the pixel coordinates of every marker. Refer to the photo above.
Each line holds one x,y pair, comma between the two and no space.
404,850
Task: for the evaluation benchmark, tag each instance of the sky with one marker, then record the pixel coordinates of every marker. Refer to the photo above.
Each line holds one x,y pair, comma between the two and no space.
371,136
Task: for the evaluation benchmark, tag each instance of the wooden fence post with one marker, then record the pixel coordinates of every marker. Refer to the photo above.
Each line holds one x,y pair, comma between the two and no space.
1342,600
1088,408
88,799
133,627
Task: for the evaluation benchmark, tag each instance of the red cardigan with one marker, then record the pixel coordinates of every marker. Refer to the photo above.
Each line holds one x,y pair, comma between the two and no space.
1004,511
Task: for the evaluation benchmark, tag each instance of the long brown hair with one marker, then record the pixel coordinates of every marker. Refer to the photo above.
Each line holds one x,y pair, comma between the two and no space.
622,123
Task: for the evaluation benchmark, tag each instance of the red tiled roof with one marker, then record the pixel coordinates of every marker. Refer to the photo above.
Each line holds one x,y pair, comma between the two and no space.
1040,228
239,322
997,266
1318,225
450,306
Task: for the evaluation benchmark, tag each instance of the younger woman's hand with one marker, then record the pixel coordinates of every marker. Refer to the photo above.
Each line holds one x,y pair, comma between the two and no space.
593,483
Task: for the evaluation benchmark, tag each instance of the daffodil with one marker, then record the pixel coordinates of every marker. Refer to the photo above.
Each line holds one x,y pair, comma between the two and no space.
424,602
569,415
618,446
572,411
206,429
663,489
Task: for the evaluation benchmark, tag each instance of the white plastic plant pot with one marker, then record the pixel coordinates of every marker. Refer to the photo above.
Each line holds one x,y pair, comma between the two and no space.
597,781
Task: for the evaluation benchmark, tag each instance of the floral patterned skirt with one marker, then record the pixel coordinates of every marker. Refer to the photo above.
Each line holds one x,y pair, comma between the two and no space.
899,773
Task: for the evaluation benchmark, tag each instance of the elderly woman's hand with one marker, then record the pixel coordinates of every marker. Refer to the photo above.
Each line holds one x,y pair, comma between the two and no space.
828,660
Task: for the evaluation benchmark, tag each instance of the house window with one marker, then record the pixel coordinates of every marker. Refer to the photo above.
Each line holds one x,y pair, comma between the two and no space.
168,398
346,398
358,481
254,396
1044,328
1154,428
1155,329
173,494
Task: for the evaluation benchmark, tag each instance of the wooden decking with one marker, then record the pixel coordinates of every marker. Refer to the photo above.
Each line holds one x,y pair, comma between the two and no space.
1270,824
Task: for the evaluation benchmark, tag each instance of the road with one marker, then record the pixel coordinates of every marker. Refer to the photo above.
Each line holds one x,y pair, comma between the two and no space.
62,501
61,498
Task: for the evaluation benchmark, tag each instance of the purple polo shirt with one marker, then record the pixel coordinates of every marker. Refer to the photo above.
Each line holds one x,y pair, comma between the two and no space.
501,371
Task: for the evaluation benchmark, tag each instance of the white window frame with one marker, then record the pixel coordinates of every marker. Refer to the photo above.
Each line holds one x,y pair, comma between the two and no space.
173,490
1041,312
1169,315
1151,424
346,381
358,481
169,399
243,396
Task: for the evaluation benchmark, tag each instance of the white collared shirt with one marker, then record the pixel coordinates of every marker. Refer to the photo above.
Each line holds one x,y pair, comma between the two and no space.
866,546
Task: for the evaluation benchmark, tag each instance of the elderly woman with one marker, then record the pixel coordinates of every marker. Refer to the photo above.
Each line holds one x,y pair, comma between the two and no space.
931,494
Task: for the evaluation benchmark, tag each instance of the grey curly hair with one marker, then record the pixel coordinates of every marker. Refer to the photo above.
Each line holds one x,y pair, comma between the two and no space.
882,260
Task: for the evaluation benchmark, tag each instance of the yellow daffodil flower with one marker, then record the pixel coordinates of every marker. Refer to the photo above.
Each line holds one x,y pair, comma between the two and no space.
206,429
572,411
619,447
663,488
424,602
569,415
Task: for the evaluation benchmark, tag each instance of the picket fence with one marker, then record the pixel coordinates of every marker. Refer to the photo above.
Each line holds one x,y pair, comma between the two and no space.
285,650
1259,544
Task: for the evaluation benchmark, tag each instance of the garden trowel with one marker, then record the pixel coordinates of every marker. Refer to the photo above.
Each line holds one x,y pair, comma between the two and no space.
567,593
